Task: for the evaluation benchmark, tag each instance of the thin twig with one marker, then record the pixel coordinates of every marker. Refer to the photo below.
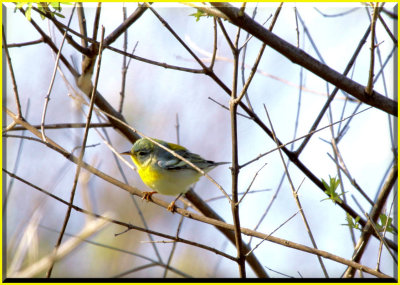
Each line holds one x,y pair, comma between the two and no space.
296,197
258,59
337,14
16,165
343,167
369,87
274,231
124,65
271,202
380,237
120,250
53,77
242,65
297,27
186,213
383,235
63,126
14,83
153,62
51,44
240,193
178,230
133,270
374,214
82,25
302,58
214,53
89,229
333,94
82,152
251,183
63,29
126,225
299,138
167,149
39,41
388,30
226,108
225,33
96,21
117,157
233,104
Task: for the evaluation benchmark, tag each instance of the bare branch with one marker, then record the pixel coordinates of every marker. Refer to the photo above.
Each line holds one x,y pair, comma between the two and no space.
302,58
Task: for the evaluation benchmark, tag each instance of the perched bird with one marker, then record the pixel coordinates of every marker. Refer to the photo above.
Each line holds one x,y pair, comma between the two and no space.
165,173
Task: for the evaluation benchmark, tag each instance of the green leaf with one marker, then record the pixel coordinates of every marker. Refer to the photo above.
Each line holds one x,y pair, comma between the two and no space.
56,6
59,15
352,223
331,189
199,14
20,4
28,12
41,9
383,220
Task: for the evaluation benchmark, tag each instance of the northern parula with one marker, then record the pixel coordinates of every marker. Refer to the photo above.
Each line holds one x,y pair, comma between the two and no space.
165,173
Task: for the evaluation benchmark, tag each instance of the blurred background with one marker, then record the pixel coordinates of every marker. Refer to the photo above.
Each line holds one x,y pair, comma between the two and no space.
157,99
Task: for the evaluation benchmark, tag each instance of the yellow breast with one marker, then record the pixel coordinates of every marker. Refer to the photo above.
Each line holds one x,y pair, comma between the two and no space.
168,182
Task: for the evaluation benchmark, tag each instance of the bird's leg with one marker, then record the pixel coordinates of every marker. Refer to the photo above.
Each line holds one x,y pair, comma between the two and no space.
147,195
171,206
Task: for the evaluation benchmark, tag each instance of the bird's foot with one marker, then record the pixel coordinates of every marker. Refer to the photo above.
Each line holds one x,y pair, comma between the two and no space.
171,207
147,195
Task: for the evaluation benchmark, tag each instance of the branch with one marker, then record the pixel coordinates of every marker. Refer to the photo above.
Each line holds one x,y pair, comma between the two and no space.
370,85
220,224
302,58
376,210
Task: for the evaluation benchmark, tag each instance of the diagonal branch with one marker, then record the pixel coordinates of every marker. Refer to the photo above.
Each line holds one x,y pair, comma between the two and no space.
302,58
374,214
80,159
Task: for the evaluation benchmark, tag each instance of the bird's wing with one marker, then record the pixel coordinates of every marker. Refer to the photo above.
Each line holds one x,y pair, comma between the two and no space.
173,163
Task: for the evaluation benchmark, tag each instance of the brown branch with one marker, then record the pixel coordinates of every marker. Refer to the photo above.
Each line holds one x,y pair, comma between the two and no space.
161,64
125,25
63,126
295,196
211,221
53,77
334,92
12,75
62,28
388,30
233,104
51,44
124,65
374,215
82,152
128,226
82,24
258,59
370,86
219,223
302,58
39,41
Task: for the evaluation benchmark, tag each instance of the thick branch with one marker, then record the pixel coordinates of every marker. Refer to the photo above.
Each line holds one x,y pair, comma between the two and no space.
302,58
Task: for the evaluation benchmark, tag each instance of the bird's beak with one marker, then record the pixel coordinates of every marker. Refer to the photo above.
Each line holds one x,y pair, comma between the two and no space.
126,153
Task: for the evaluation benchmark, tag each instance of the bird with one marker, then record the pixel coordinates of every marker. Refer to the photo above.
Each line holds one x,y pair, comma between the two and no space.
165,173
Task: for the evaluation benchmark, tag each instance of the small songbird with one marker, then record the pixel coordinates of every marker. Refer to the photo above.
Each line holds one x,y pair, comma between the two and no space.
165,173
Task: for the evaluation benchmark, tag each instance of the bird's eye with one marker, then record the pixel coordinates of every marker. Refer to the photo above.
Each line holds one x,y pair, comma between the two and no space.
142,153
